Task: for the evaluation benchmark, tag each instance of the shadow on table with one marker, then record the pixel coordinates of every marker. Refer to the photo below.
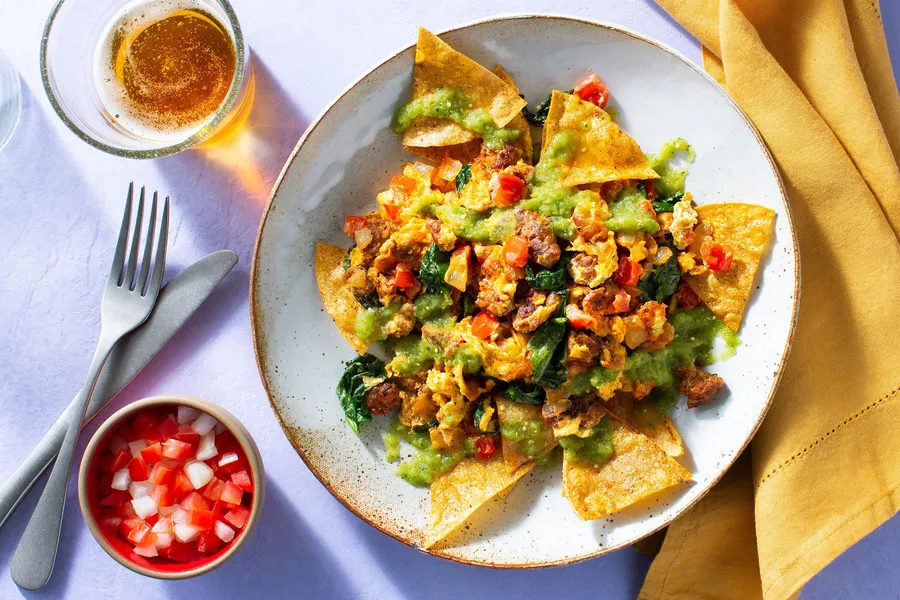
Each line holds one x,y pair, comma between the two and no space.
418,575
271,562
223,188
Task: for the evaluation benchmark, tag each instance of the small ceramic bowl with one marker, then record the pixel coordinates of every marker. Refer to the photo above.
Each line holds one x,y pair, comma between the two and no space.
119,549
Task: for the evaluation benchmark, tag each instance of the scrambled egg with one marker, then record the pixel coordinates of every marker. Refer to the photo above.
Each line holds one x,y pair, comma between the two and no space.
596,263
684,219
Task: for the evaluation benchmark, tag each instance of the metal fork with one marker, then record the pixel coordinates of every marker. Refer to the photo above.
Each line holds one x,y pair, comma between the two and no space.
127,303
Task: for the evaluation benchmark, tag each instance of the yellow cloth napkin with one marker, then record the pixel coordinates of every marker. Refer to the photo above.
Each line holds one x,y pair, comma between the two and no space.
824,469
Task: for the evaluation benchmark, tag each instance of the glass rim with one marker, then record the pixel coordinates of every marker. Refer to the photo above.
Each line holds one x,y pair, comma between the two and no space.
224,109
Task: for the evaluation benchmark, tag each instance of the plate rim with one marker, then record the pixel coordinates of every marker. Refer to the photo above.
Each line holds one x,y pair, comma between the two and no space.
255,316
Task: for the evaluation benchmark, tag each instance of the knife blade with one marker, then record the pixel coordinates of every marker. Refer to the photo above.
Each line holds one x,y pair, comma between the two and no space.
177,301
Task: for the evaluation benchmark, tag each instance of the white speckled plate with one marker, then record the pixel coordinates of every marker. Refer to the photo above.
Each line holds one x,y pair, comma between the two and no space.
349,154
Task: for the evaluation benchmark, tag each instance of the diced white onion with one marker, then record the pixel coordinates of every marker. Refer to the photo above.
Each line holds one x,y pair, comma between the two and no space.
199,473
117,443
139,489
363,237
163,540
219,428
207,447
136,446
223,531
121,480
179,515
144,506
186,414
148,551
228,458
167,510
185,533
164,525
203,424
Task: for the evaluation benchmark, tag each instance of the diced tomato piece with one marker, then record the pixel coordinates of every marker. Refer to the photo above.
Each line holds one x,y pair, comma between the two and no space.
242,480
484,446
621,302
194,501
404,278
650,186
717,256
138,470
213,489
116,498
121,461
161,474
592,90
515,251
187,434
201,519
178,551
687,297
152,519
230,462
647,207
182,484
449,168
176,449
110,523
168,427
138,532
152,454
238,516
220,508
127,433
226,442
145,425
391,210
104,485
403,184
629,272
126,511
578,318
352,224
484,325
129,524
106,462
506,189
208,542
231,493
163,496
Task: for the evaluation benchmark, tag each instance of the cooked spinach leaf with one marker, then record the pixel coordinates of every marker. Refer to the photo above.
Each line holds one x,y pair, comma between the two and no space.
539,116
467,305
668,203
360,374
659,285
424,428
479,415
346,262
434,265
521,394
369,300
463,177
554,281
548,352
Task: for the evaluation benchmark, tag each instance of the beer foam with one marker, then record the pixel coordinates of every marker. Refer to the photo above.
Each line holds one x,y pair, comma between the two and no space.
117,108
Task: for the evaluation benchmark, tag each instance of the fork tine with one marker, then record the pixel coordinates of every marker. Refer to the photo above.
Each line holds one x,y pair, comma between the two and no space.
148,247
115,273
159,265
130,268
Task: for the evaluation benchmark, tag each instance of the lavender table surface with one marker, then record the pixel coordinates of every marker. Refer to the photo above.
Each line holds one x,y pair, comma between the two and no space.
60,202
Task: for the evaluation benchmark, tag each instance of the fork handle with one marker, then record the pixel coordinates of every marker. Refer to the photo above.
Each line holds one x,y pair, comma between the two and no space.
32,564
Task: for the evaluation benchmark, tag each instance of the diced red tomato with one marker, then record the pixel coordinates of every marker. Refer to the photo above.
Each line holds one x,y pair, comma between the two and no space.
230,462
129,524
116,498
226,442
648,207
178,552
194,501
208,542
650,186
138,470
403,184
238,516
392,211
621,302
187,435
220,508
577,318
404,278
127,433
515,251
121,461
152,519
138,531
105,483
106,462
168,427
145,425
687,297
484,325
201,519
592,90
163,496
484,446
717,256
242,480
126,510
629,272
182,484
213,489
231,493
109,523
161,474
506,189
352,224
152,454
175,449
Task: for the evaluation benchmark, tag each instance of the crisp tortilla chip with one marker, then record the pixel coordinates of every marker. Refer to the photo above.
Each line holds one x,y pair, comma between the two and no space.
440,66
647,420
746,228
509,412
605,152
464,153
523,142
340,303
458,493
638,469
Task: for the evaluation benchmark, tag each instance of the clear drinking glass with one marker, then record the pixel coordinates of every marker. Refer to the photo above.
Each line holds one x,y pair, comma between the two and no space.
10,100
68,46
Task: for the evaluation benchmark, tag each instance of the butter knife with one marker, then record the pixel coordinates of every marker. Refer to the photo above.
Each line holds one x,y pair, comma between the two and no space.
177,301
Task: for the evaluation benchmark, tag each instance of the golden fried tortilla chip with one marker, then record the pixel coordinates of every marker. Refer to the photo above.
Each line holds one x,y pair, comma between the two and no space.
464,153
340,303
646,419
458,493
638,469
600,150
512,415
523,142
746,228
440,66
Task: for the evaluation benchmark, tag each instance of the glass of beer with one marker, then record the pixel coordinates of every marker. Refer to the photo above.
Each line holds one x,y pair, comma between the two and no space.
146,78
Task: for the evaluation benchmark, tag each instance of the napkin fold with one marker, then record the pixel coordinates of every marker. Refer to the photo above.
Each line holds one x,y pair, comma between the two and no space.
823,471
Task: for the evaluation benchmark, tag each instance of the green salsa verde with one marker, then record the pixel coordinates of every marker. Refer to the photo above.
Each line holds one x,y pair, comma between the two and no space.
527,434
426,463
371,322
414,354
454,105
671,179
626,213
593,450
